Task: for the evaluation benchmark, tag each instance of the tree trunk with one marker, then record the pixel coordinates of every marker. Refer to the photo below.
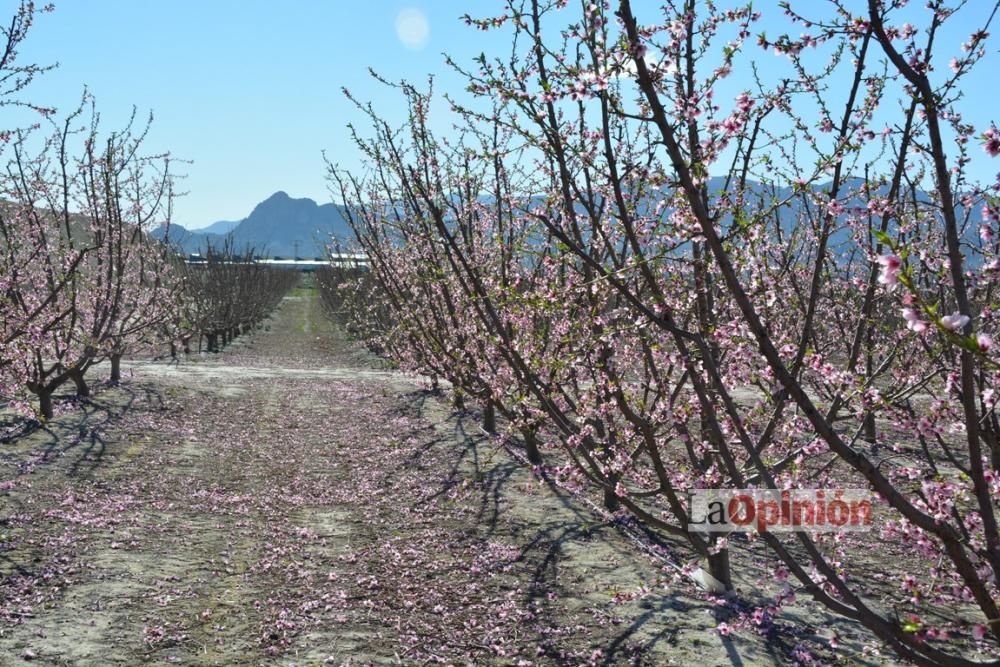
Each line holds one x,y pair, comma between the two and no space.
81,384
612,502
457,400
45,403
870,434
718,567
489,418
211,342
116,367
531,446
868,425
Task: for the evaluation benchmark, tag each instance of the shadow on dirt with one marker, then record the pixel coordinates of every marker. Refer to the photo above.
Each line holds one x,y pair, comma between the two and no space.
74,436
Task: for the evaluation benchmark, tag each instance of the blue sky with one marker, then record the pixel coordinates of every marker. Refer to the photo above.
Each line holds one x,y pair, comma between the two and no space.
250,90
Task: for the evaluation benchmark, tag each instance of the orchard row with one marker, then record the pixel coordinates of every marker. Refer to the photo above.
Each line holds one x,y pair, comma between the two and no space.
81,278
663,254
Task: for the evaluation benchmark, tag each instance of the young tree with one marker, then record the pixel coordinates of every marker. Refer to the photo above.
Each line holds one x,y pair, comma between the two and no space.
786,291
84,205
19,236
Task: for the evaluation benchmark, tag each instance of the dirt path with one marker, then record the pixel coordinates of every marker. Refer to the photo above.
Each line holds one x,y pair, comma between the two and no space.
287,503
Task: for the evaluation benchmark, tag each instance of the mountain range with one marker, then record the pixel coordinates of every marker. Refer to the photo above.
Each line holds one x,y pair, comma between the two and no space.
283,226
279,226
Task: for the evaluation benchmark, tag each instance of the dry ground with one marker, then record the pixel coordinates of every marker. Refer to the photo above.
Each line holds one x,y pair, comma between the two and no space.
289,502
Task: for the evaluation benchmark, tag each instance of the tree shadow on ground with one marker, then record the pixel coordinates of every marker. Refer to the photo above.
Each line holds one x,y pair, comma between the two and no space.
473,455
73,437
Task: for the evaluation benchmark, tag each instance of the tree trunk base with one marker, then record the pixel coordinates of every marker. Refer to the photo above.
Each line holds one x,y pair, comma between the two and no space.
489,418
45,404
870,433
531,448
719,568
82,389
612,502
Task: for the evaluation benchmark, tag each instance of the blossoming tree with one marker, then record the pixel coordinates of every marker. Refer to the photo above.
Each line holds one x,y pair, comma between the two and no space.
673,291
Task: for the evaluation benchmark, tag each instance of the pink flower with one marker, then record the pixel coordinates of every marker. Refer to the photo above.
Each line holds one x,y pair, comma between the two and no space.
985,233
985,342
955,321
725,630
890,269
744,103
913,321
979,632
991,141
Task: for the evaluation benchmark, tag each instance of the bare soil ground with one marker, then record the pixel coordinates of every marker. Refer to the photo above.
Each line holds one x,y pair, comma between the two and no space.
289,502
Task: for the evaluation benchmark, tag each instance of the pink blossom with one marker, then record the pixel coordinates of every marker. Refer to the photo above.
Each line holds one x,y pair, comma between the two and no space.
985,341
954,322
913,321
991,141
979,632
744,102
890,269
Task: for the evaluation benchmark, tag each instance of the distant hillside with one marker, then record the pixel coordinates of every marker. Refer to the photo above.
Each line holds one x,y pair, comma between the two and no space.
186,241
279,226
282,226
220,227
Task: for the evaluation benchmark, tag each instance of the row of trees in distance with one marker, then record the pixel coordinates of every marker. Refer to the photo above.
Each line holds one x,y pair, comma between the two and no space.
81,280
